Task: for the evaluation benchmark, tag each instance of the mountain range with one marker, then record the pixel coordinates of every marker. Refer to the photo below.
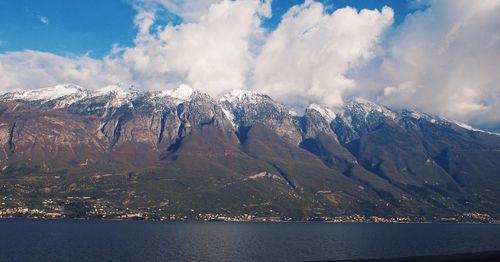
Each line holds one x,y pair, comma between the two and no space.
244,153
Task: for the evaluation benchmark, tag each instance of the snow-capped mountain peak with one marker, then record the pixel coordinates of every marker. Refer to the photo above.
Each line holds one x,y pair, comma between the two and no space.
46,93
181,94
363,107
60,95
111,89
325,112
119,96
238,106
243,96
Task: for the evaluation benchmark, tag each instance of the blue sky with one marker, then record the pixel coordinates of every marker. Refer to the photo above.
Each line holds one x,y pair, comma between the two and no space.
71,27
79,26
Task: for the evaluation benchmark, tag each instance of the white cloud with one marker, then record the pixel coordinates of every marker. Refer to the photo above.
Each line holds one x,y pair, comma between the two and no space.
189,10
307,58
43,19
224,47
32,69
214,54
445,60
192,10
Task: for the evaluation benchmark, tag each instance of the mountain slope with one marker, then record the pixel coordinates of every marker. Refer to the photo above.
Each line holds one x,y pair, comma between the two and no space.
182,150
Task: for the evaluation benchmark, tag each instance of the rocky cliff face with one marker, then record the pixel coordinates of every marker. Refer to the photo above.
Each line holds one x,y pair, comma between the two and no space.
363,158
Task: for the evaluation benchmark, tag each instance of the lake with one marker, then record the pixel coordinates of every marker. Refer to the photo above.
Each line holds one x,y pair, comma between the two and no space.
91,240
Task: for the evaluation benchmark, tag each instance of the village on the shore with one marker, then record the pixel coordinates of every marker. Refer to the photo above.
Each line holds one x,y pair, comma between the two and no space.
94,208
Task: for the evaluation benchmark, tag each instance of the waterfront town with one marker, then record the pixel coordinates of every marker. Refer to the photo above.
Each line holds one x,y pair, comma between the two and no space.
94,208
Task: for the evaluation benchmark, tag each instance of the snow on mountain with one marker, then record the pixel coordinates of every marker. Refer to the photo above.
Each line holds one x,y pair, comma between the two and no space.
470,128
437,120
181,94
111,89
420,115
62,95
47,93
293,113
244,108
363,107
237,105
119,96
229,115
325,112
359,116
233,103
244,96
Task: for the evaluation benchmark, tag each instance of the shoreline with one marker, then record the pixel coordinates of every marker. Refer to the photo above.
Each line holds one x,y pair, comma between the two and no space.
247,221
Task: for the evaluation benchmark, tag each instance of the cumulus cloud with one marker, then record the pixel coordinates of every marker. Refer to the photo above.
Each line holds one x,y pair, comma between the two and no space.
307,58
213,54
444,60
219,47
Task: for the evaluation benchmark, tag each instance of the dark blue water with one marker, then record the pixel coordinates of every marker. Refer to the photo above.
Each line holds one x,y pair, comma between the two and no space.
93,240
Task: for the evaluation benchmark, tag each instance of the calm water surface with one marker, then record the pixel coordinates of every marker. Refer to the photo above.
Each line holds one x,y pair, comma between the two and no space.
91,240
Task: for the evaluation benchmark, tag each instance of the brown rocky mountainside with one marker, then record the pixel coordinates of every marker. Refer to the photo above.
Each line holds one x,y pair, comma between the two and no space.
184,151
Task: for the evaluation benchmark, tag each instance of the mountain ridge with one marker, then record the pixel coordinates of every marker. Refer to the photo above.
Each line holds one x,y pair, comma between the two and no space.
184,92
199,153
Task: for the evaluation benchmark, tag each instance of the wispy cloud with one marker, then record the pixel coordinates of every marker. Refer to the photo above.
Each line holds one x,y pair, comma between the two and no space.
43,19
